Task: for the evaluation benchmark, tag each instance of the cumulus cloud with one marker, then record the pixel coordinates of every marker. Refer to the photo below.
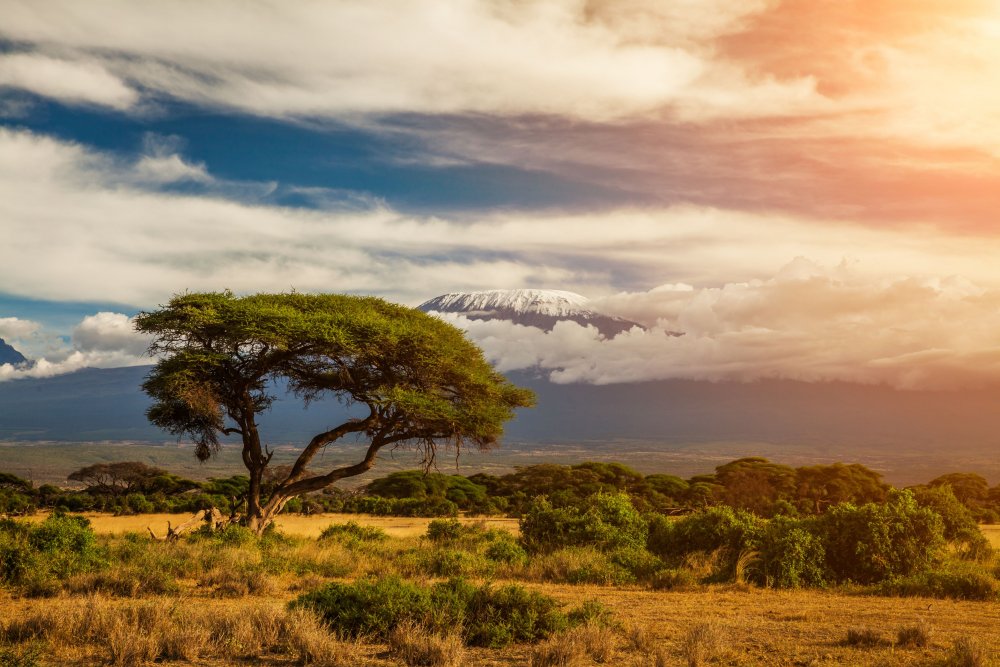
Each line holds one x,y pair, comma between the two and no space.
13,328
807,322
102,340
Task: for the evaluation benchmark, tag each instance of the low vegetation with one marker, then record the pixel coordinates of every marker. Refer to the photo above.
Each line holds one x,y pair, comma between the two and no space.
462,591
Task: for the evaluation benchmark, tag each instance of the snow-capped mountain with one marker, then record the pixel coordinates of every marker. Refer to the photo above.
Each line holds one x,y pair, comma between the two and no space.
530,307
8,355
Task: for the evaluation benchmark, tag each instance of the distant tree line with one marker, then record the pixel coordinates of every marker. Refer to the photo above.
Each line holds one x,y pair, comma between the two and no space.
752,484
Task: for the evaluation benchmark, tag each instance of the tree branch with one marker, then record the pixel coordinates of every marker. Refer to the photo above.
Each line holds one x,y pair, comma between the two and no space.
320,440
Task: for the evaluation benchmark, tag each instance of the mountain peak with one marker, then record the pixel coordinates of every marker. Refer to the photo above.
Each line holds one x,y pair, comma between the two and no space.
8,355
544,301
540,308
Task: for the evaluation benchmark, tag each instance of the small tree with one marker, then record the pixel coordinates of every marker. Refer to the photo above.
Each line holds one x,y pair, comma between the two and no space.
125,477
422,383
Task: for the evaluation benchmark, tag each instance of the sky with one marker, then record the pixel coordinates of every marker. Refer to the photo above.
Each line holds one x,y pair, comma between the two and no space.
806,189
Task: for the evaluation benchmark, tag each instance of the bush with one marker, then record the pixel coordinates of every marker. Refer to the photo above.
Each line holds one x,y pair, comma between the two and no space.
791,556
959,525
353,531
451,563
609,522
968,585
423,507
487,616
444,530
636,561
38,556
506,551
874,542
717,529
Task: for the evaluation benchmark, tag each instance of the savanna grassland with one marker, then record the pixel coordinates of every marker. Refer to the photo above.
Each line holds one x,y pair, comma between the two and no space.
108,593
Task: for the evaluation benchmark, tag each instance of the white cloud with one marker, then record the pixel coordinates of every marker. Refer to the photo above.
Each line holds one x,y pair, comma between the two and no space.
102,340
109,332
169,169
74,81
78,227
568,57
807,323
13,328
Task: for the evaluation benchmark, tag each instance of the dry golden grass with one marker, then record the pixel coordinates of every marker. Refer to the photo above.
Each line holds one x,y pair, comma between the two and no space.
992,533
292,524
760,626
418,647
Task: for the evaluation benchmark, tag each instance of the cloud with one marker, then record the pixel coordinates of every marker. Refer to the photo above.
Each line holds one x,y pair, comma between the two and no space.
561,57
74,81
910,307
12,328
102,340
807,322
78,226
109,332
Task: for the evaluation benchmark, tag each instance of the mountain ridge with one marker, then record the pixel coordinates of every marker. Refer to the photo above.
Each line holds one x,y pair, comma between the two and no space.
538,308
8,355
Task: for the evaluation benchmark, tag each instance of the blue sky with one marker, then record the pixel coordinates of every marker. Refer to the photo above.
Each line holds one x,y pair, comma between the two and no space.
779,180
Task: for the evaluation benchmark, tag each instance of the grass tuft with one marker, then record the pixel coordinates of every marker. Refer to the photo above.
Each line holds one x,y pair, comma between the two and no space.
419,647
863,637
702,643
915,636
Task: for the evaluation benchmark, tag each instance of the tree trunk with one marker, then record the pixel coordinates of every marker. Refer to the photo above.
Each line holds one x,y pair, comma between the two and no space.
266,514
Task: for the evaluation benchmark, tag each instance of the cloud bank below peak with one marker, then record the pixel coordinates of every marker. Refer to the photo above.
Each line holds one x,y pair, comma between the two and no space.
806,323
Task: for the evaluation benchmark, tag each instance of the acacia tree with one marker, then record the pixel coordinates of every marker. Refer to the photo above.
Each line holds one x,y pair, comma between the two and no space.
223,357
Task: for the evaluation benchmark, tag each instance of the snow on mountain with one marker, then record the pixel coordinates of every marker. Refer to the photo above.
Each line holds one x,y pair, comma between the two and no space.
530,307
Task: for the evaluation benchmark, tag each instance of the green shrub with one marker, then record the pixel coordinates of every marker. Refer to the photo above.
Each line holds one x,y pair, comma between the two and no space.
487,616
707,530
876,541
506,551
720,529
424,507
636,561
959,525
444,530
38,556
496,617
967,585
609,522
353,531
791,555
452,563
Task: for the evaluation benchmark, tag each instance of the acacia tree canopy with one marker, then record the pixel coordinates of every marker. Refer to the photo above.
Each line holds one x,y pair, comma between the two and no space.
422,382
